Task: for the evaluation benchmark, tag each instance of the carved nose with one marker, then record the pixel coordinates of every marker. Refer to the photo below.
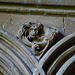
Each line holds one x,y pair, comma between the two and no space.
33,32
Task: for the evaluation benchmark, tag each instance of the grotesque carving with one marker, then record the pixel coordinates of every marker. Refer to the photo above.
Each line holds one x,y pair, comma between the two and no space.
37,36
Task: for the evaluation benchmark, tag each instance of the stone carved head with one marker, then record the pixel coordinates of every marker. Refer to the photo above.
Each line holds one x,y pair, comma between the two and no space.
36,36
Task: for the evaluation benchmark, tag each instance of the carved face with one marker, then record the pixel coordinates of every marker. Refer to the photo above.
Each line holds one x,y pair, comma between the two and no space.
36,36
34,31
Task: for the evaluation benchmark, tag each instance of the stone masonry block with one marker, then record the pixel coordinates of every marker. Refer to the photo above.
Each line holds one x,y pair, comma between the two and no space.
70,25
13,22
32,1
14,1
46,2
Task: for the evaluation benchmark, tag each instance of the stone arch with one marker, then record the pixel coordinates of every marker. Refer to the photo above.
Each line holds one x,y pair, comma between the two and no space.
16,58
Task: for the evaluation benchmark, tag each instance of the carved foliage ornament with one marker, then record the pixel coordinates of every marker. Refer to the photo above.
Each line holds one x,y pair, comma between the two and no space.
37,36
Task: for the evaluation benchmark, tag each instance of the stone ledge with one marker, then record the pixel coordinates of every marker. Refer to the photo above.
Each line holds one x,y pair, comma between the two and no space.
37,11
45,2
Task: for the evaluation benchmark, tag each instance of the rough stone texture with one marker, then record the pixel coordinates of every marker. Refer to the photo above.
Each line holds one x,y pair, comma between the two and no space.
49,2
18,20
70,24
15,1
4,19
12,22
46,2
58,2
17,59
67,2
32,1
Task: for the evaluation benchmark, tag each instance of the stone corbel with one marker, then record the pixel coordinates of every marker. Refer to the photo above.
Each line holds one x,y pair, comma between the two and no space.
37,36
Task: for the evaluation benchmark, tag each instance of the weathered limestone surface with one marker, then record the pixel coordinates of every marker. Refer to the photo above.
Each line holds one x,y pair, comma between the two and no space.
70,24
47,2
31,1
17,59
15,1
13,22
